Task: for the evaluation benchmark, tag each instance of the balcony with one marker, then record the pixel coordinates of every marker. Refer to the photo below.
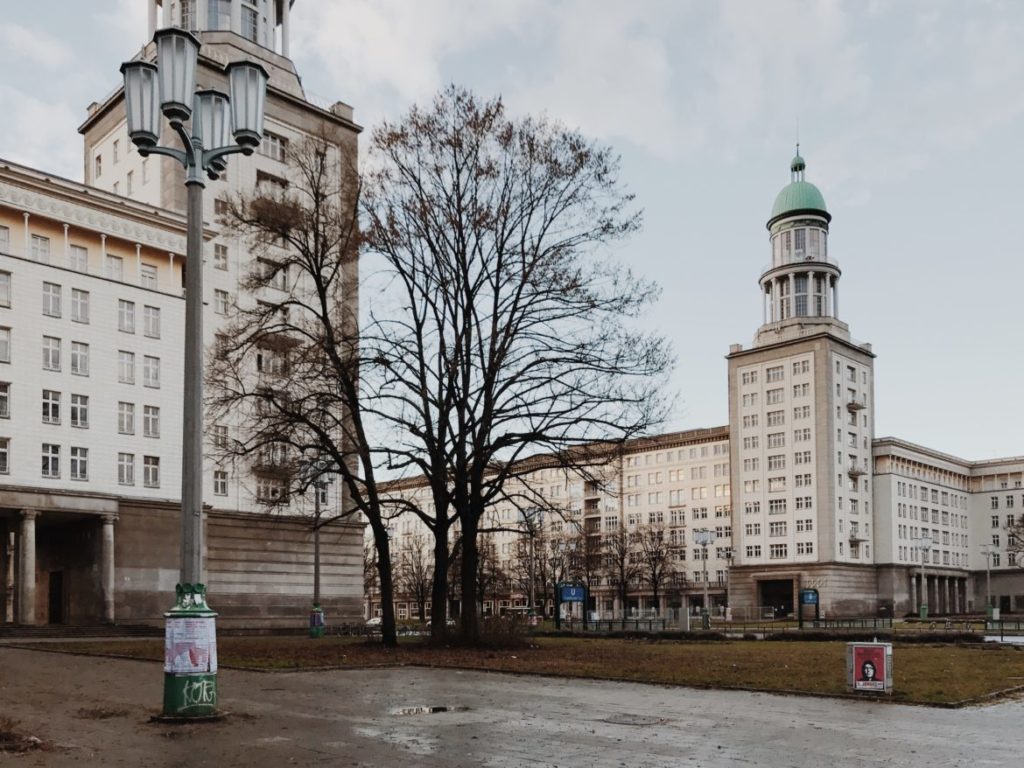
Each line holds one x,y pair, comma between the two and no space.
855,405
854,471
856,536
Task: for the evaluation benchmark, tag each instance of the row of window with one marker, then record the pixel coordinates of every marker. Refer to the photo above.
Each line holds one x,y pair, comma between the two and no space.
678,475
78,464
679,496
666,457
52,353
780,551
76,258
79,412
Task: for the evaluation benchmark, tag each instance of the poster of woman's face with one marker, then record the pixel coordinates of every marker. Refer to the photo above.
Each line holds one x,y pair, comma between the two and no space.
869,668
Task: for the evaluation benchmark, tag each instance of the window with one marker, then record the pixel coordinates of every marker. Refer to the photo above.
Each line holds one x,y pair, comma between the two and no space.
250,23
751,442
126,316
777,551
5,239
776,418
115,268
125,367
51,460
777,528
752,508
754,550
151,321
51,299
129,178
774,373
51,406
752,529
117,150
776,440
78,258
220,435
777,461
5,345
145,170
220,482
221,301
151,421
776,506
5,455
275,274
51,353
801,390
750,399
219,14
751,465
773,396
220,251
41,249
151,372
151,471
271,362
79,463
801,366
148,276
750,421
79,358
269,489
126,469
776,484
5,400
805,547
802,435
80,411
276,147
5,289
126,418
79,305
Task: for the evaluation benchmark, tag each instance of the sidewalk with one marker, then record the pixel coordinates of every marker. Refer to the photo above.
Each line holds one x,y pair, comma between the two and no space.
93,711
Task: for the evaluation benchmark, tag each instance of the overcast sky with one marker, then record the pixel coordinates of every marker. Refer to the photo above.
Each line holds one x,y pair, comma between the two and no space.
910,116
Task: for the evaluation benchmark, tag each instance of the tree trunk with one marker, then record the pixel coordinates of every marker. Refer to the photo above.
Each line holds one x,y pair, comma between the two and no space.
470,621
389,636
439,589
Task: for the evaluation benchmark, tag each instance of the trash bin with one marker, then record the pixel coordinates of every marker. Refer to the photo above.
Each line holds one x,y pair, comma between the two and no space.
316,622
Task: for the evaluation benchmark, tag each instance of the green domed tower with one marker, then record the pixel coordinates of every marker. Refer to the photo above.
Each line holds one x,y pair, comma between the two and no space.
801,281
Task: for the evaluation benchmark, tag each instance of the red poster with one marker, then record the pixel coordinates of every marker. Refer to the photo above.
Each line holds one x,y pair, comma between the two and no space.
869,668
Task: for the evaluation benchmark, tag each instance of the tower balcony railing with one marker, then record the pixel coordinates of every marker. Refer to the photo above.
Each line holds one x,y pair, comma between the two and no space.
787,261
855,471
855,405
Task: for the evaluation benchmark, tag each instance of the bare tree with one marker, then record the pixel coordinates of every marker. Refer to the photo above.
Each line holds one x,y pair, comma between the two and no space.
621,564
509,334
286,370
1015,542
415,573
656,560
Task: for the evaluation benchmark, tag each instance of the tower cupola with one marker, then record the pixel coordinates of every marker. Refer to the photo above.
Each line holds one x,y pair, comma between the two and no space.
263,22
801,282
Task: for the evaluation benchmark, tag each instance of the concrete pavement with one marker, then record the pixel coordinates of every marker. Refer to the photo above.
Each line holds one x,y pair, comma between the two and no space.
94,712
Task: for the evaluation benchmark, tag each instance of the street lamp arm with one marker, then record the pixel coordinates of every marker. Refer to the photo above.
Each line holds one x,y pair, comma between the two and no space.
177,154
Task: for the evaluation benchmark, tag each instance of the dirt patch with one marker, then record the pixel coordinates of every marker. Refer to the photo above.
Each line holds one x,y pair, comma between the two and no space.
13,741
101,713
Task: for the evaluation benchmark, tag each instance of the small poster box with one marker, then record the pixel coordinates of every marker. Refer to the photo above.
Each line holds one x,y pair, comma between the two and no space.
869,667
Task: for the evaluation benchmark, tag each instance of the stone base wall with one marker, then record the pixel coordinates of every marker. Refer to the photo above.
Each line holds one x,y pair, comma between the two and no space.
259,568
843,590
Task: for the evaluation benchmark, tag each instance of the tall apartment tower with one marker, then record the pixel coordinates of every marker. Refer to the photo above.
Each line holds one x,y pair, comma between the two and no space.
240,490
801,418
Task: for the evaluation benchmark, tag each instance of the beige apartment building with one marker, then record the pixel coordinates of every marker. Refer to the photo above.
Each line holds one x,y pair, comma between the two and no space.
91,365
797,490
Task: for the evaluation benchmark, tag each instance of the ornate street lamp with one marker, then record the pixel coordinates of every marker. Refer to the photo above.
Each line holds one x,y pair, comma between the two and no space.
924,546
703,537
988,550
221,125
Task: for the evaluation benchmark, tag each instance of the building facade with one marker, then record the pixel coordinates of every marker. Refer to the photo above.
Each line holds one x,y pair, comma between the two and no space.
797,491
91,365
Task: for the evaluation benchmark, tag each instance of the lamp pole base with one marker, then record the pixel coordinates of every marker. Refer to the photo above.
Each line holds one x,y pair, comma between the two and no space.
190,656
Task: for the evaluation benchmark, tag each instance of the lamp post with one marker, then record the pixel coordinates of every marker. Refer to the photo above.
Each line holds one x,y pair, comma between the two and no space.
988,550
703,537
924,546
221,125
532,520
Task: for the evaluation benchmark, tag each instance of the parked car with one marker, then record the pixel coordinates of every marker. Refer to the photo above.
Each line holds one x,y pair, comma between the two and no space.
374,621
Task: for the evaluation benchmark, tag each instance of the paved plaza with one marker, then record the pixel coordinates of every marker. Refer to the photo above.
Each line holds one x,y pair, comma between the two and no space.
92,711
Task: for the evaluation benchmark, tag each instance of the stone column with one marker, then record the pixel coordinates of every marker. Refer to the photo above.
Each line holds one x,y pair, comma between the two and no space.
914,604
236,17
107,568
764,305
835,299
8,546
792,294
152,20
827,289
956,596
286,28
27,572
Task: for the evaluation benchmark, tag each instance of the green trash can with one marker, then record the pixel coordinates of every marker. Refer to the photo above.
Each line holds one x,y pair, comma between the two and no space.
316,621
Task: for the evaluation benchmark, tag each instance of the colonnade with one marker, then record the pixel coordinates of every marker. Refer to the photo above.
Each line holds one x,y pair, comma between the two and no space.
20,581
942,594
779,294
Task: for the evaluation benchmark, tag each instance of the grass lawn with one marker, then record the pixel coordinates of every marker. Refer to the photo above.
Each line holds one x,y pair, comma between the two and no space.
922,674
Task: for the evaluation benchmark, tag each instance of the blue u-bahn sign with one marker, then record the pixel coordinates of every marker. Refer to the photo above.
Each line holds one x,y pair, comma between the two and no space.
571,593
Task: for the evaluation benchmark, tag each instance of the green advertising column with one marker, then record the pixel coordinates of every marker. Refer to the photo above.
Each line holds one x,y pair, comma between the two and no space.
190,655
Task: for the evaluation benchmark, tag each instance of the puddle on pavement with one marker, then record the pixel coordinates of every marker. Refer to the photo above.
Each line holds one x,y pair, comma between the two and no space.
426,710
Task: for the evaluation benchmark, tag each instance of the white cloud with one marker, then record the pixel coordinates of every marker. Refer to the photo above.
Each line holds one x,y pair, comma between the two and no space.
39,133
33,47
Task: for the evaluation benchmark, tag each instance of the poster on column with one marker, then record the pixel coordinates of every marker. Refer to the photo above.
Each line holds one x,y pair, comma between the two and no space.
190,646
869,667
